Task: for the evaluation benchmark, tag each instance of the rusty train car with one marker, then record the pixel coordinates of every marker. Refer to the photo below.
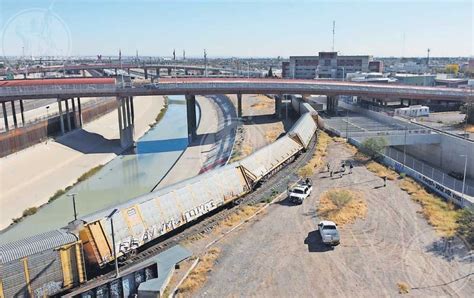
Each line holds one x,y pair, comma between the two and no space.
88,243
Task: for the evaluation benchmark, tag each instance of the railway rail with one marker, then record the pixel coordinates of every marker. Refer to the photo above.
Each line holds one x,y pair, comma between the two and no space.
277,183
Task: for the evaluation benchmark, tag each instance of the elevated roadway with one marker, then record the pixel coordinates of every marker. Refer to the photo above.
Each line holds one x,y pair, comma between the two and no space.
209,86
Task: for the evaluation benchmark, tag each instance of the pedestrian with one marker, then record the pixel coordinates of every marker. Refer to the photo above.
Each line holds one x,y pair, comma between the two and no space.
384,181
350,167
328,167
330,173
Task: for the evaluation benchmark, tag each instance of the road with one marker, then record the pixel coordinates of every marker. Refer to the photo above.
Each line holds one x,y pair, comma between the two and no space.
280,254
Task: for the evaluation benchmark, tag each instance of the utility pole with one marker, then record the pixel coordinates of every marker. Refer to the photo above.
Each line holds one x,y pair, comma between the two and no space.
428,58
73,195
110,217
333,33
184,55
205,63
174,54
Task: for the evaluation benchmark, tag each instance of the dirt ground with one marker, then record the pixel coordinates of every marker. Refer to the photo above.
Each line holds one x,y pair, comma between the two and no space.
260,126
280,253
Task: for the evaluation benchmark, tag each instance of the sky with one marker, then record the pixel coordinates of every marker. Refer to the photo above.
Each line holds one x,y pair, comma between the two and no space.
236,28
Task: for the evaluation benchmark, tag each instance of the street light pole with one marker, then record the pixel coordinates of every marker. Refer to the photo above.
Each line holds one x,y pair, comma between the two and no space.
464,178
248,70
73,195
110,216
405,148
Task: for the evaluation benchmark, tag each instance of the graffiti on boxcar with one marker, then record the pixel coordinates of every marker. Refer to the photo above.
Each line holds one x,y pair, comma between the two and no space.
198,211
48,289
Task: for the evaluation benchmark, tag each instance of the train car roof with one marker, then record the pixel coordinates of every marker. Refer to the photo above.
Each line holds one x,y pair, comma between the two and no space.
62,81
34,244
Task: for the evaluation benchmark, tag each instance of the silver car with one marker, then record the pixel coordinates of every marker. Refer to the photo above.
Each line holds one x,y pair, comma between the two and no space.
329,233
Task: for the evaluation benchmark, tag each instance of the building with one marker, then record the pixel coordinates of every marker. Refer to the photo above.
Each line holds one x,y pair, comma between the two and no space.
375,66
416,80
372,77
327,65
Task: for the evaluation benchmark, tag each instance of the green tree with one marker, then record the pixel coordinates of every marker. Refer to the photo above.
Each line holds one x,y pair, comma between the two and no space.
270,72
468,110
374,147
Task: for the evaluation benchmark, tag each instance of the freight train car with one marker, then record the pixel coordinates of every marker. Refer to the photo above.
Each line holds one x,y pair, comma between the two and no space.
303,130
269,159
149,216
41,265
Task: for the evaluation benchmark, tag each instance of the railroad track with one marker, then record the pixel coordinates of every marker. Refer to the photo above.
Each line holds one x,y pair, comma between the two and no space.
273,185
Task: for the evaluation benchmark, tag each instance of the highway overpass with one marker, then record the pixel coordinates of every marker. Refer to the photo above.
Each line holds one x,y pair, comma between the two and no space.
70,89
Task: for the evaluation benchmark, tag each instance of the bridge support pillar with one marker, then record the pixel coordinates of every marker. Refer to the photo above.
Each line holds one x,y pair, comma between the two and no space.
116,71
239,105
332,104
186,71
5,116
61,118
146,73
278,106
79,109
191,116
22,112
126,127
157,72
68,114
132,110
169,71
15,122
74,118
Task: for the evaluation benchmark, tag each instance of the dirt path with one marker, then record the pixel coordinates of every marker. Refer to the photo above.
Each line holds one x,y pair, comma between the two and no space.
281,255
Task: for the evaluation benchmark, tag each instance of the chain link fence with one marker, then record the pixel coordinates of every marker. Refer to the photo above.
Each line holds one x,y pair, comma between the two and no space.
429,171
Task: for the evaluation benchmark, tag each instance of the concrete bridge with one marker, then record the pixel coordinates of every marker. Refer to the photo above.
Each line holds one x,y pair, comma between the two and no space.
70,89
116,66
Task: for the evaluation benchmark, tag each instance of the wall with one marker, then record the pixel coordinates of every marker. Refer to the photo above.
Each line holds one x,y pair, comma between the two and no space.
24,137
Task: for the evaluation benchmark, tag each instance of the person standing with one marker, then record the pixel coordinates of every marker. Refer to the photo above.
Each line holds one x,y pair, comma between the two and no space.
384,181
350,167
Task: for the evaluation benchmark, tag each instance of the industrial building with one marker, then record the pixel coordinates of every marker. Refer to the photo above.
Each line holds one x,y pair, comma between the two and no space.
415,79
328,65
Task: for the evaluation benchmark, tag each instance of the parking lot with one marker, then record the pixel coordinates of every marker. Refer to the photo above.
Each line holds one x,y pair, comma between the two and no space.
280,254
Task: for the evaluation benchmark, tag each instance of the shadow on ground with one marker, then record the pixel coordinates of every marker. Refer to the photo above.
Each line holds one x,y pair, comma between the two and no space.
89,143
315,243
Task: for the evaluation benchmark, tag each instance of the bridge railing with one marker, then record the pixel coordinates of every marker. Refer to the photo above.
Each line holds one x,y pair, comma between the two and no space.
42,89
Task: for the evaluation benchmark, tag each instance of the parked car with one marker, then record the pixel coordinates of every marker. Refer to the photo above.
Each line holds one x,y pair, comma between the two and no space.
329,233
300,192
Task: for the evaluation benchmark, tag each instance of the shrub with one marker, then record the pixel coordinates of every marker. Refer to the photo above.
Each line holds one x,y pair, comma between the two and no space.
374,147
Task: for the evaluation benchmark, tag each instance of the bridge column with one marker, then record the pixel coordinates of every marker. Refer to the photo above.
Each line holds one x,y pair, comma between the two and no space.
79,109
191,116
146,73
157,72
278,106
132,110
68,118
74,118
119,110
22,112
239,105
186,71
15,122
116,71
169,71
5,116
126,128
61,118
332,104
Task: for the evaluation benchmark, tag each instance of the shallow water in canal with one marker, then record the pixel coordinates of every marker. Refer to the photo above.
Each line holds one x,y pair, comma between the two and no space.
123,178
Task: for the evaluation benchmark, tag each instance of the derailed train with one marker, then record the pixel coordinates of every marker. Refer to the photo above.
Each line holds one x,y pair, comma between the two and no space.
52,262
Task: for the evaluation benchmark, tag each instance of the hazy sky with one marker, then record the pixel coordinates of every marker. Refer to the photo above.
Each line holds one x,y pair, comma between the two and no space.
236,28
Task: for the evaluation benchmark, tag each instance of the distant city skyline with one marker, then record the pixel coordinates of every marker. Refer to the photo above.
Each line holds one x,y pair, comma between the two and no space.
236,28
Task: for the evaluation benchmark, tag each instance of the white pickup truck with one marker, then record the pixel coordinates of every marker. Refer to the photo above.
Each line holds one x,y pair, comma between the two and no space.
300,192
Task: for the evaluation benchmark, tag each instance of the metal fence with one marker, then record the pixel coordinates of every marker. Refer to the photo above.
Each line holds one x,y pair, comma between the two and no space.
429,171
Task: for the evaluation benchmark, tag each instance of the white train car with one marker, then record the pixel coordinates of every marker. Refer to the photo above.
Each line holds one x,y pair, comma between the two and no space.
413,111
